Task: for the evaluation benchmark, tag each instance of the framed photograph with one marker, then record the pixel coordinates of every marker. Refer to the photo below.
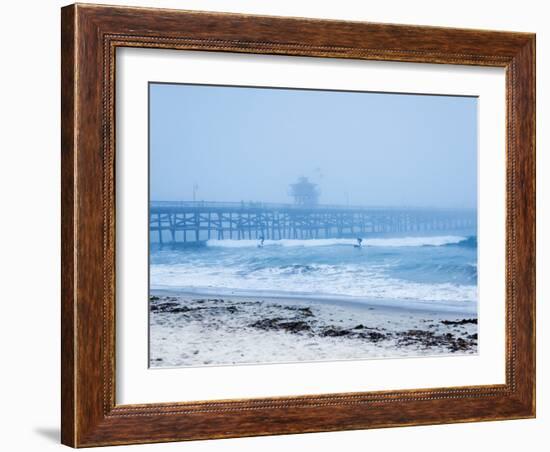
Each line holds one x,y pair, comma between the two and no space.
281,225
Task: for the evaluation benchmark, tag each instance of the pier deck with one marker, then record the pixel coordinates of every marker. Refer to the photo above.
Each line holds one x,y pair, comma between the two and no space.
174,222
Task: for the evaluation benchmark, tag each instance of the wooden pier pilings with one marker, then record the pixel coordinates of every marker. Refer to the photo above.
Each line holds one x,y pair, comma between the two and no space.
176,222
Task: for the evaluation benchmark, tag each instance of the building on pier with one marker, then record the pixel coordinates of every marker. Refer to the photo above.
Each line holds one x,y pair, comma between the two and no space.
304,192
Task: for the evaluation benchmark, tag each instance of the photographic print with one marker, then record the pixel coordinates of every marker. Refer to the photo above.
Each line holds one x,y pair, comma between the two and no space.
299,225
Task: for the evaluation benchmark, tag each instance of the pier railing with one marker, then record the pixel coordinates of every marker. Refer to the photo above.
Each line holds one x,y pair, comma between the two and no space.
192,221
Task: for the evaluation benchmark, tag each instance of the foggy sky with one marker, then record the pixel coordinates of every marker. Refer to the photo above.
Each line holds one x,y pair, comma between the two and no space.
249,144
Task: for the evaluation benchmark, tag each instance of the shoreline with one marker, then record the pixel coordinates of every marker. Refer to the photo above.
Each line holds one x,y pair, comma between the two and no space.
191,330
433,307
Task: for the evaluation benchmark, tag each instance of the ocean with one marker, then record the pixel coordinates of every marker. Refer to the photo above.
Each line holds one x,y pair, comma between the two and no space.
438,271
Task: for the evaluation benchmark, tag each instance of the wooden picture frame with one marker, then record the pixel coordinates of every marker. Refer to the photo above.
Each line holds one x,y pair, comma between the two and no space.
90,36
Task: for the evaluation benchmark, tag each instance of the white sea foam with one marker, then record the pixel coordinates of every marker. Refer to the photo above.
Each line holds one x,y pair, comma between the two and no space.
327,280
378,242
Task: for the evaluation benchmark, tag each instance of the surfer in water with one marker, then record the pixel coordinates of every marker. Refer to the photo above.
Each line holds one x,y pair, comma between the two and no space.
261,244
359,241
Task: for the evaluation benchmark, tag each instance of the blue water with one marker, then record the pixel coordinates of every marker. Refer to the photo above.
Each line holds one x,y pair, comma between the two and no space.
436,269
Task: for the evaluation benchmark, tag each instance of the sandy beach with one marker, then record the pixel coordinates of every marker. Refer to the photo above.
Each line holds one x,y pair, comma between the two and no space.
204,330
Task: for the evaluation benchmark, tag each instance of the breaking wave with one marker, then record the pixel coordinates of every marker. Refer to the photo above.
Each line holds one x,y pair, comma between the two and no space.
378,242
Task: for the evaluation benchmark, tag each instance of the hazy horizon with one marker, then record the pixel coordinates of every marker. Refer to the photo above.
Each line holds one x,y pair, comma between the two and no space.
248,144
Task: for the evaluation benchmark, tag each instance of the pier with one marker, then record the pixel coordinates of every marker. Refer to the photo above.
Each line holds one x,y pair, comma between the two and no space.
196,221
